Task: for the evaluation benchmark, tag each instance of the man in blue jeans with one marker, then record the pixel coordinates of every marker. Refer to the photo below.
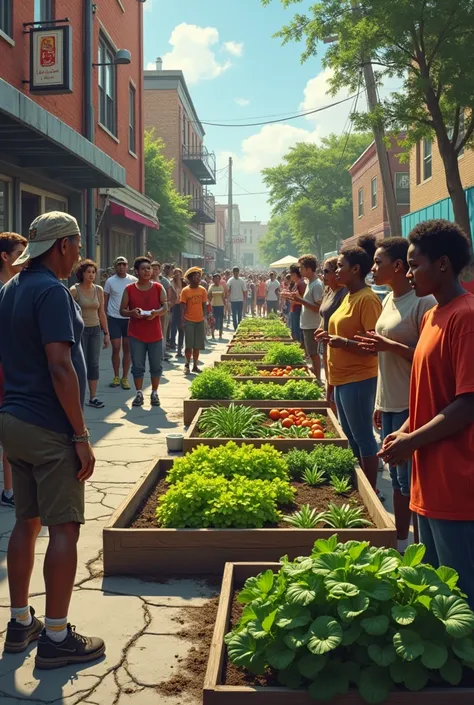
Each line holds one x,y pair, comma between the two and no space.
237,288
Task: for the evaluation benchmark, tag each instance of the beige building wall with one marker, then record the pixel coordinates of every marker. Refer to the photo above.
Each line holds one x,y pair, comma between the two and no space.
424,192
252,232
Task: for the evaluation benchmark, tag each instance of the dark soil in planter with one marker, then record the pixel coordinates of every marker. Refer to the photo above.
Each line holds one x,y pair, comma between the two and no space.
317,497
190,671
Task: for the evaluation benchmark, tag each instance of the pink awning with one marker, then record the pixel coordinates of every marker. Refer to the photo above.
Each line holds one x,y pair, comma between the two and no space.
118,209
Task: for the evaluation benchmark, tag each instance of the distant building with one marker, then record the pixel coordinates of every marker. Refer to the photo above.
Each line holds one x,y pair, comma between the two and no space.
215,242
251,232
369,208
429,196
170,111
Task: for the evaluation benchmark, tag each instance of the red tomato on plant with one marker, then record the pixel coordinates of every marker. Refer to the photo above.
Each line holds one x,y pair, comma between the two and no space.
287,423
274,414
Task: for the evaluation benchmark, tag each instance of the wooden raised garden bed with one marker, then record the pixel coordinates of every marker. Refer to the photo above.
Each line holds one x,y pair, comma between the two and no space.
192,439
231,355
150,551
192,406
276,380
216,692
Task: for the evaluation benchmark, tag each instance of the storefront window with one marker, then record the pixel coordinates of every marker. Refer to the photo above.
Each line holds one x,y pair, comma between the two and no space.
53,204
30,209
4,215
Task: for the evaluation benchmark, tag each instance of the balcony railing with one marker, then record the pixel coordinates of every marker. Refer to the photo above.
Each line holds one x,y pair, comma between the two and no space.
201,163
204,209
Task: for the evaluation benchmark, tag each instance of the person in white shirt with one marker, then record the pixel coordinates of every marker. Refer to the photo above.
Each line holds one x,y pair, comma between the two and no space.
237,290
272,293
118,325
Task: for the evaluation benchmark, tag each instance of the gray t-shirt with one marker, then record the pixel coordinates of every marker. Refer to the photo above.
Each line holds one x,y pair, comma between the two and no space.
400,320
236,287
310,320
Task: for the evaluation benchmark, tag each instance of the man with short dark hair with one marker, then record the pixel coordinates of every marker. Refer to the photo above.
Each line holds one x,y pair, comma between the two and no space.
439,432
118,325
272,293
237,289
43,432
311,302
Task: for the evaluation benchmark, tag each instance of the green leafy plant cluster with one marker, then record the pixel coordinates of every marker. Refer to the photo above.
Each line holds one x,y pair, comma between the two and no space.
355,615
298,390
251,347
239,367
213,383
281,354
335,461
239,502
231,422
345,517
270,329
230,460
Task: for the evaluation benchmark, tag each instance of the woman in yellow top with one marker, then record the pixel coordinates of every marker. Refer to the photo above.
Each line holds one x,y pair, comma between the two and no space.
352,371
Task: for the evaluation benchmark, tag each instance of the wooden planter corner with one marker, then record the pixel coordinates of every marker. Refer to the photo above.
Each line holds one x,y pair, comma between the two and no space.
192,406
192,439
165,552
215,692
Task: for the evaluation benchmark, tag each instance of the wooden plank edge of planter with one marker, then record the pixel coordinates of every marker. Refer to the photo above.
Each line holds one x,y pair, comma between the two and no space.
215,693
191,406
192,440
261,366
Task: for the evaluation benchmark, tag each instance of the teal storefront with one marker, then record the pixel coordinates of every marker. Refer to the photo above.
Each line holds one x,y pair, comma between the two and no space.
440,209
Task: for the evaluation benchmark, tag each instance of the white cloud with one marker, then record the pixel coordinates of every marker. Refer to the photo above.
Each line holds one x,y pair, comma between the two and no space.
243,102
148,7
234,48
193,53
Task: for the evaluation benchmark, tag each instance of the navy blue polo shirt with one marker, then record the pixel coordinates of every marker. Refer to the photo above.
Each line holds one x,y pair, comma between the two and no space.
37,309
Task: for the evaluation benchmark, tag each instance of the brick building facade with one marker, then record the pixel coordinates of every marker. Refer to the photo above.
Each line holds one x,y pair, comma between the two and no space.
170,112
46,160
368,201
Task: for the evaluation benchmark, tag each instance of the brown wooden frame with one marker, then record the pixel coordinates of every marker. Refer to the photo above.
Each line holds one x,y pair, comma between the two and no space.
164,552
216,693
193,440
192,406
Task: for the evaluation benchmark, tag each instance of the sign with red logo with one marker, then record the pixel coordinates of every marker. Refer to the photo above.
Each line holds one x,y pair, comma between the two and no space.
50,60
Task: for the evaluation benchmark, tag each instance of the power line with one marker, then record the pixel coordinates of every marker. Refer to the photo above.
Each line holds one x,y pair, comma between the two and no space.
272,122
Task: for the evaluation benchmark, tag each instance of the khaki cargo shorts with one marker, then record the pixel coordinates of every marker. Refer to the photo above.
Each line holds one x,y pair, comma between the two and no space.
45,468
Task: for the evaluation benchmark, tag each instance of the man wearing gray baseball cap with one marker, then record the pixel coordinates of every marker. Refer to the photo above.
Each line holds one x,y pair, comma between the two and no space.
43,433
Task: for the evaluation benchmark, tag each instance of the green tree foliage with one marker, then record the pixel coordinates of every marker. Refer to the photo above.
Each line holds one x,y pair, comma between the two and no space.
174,214
426,44
278,241
311,191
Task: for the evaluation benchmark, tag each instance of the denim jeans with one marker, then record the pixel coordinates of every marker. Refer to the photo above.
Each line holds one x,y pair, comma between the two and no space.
175,327
450,543
91,343
218,312
237,308
139,351
400,475
295,317
355,406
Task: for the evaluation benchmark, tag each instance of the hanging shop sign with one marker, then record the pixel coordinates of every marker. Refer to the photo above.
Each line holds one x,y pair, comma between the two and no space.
238,240
51,60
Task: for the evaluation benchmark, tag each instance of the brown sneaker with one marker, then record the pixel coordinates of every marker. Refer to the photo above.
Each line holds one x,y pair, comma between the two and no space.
74,649
19,637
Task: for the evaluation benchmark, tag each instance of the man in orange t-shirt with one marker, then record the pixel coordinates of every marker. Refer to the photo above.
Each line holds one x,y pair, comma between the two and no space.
440,430
193,311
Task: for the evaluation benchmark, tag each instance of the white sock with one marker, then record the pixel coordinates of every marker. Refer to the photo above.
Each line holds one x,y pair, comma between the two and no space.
8,493
22,615
56,629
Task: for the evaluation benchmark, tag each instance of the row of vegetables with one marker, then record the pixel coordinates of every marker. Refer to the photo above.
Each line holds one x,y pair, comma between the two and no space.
347,615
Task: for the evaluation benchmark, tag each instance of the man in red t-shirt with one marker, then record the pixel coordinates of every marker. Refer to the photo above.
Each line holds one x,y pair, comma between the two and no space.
144,302
440,430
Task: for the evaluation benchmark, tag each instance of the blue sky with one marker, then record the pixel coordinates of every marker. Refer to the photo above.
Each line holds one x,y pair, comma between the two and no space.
235,70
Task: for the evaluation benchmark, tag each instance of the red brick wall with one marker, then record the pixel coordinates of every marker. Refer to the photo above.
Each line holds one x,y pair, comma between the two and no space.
124,28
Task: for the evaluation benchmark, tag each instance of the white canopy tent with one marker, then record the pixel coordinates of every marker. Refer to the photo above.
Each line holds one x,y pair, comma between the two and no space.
284,263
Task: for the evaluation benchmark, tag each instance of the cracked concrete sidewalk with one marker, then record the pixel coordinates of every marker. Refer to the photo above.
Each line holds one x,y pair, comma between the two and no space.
137,619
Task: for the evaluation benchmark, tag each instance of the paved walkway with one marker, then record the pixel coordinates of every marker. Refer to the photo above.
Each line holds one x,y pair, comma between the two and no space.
135,618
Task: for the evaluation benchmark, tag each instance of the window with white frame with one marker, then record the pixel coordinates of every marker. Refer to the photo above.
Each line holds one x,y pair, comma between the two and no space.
373,192
6,11
402,188
360,201
132,133
107,87
43,10
427,159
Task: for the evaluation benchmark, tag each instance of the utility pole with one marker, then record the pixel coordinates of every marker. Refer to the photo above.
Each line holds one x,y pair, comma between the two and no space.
379,136
230,212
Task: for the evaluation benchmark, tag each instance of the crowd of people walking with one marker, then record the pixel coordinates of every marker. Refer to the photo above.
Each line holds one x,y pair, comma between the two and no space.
400,367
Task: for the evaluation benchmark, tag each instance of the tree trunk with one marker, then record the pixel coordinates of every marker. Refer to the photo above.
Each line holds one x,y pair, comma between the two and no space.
456,189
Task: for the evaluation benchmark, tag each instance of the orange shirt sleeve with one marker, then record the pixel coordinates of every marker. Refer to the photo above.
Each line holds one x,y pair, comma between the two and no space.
461,343
184,298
